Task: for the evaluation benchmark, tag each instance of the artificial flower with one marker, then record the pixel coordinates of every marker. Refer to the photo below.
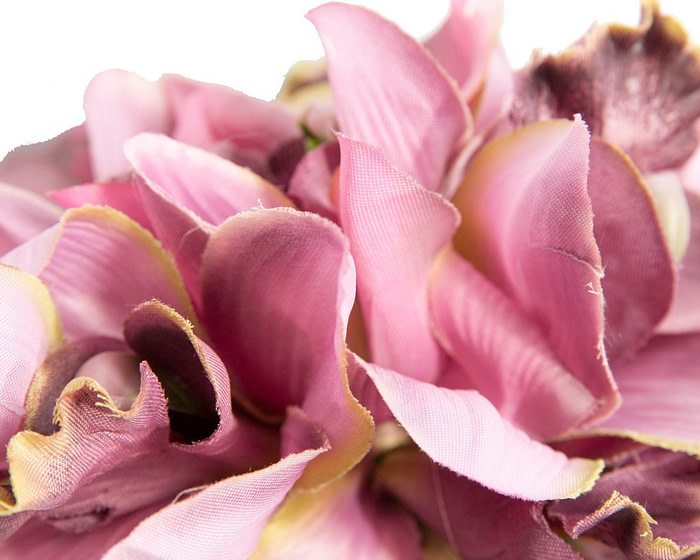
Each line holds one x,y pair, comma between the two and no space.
525,266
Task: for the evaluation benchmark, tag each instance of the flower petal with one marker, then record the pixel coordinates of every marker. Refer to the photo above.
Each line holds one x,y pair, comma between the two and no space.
639,273
120,196
663,378
261,135
465,40
503,354
29,330
477,522
666,483
224,520
620,524
57,163
684,316
310,186
119,105
343,520
208,185
98,265
462,431
528,225
605,77
277,290
23,214
390,78
396,228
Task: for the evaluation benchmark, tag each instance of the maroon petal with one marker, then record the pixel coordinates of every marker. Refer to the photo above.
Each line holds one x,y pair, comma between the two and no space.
606,78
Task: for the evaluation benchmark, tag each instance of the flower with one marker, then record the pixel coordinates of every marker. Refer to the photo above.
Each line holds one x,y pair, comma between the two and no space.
193,359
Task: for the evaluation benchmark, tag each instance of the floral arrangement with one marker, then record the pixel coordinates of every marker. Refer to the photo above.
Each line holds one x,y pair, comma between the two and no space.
420,306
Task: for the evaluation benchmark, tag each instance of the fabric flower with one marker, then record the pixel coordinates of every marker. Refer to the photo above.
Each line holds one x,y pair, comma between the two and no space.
199,378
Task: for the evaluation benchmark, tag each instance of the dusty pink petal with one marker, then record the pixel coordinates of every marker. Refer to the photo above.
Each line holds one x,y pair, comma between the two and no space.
94,438
395,227
120,196
278,286
258,134
56,371
224,520
182,233
29,330
23,214
503,354
639,276
344,520
495,98
389,91
310,186
478,523
98,265
663,378
119,105
465,41
57,163
666,483
528,225
197,386
684,316
39,541
622,528
208,185
461,430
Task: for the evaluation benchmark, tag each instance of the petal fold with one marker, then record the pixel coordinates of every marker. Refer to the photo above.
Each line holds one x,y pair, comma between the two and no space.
528,225
390,78
278,286
461,430
395,227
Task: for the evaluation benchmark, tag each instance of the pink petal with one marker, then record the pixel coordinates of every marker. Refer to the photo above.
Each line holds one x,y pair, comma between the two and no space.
119,105
639,272
277,289
224,520
105,462
29,330
120,196
57,163
47,470
396,228
343,520
310,186
477,522
497,95
503,354
462,431
390,92
98,265
39,541
684,316
666,483
209,186
258,134
663,378
57,370
464,42
527,223
622,528
23,214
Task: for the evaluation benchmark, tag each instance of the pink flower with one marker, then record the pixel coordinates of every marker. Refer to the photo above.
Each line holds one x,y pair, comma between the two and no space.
197,362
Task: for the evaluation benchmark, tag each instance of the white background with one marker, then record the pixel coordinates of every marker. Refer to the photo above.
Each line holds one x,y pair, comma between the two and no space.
50,49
